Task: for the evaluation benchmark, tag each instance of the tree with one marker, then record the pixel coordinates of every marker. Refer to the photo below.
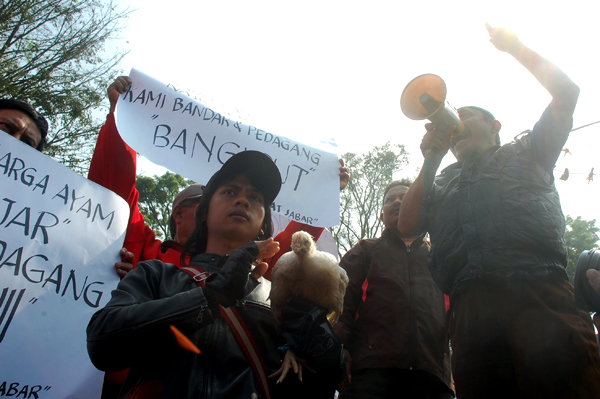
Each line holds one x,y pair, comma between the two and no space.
156,199
361,201
52,56
580,235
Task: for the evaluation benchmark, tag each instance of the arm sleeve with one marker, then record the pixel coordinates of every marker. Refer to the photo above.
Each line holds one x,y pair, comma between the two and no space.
305,329
113,166
548,137
113,163
135,322
285,241
354,265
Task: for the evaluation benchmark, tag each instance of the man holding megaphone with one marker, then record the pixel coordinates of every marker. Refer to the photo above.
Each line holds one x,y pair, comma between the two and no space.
496,229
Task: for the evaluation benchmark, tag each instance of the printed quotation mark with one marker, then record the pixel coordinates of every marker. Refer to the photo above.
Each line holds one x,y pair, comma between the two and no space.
33,300
154,116
67,221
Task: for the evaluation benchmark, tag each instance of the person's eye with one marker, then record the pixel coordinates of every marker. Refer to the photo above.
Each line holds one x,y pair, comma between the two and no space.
4,127
29,142
256,198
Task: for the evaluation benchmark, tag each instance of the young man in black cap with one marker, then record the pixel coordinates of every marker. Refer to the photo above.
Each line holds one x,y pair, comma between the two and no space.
232,234
23,122
114,166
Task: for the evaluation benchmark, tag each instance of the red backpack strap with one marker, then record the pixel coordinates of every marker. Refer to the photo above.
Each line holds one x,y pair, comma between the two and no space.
240,331
197,274
248,345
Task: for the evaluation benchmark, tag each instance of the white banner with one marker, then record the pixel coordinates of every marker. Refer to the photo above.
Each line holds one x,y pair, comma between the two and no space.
183,135
60,235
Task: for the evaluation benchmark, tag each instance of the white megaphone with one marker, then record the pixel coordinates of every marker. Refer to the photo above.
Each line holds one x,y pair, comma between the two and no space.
424,97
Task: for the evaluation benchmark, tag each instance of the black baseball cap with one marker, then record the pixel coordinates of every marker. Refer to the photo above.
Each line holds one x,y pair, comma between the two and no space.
257,167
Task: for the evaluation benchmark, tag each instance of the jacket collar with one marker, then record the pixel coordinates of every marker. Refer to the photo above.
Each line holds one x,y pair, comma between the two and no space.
170,244
394,234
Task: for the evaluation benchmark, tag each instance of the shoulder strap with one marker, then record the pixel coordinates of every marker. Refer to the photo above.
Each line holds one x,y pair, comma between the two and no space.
240,331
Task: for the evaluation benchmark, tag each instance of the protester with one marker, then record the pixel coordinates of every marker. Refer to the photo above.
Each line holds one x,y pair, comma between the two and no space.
231,233
393,325
23,122
496,229
114,166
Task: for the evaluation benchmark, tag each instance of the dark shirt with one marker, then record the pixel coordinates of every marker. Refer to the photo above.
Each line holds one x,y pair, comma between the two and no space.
499,212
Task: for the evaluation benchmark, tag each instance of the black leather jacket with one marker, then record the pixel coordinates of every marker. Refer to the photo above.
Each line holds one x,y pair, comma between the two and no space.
133,331
498,214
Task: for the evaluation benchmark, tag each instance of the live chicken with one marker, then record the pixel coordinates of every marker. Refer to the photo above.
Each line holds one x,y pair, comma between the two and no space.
311,274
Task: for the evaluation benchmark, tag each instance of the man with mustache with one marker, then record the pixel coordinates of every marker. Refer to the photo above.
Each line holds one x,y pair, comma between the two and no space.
498,249
393,324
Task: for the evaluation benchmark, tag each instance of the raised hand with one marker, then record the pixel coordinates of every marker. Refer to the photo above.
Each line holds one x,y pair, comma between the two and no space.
435,142
344,175
503,39
119,86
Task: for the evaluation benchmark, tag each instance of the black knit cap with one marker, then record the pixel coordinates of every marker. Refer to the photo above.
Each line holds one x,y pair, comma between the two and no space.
26,108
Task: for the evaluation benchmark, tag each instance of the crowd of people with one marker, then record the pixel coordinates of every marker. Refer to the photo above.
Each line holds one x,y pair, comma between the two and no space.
476,261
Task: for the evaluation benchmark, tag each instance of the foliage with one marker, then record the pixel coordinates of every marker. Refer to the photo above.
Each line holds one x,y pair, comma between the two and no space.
361,201
51,55
156,199
580,235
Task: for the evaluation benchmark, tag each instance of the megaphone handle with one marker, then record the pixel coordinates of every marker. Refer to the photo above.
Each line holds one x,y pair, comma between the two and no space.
428,176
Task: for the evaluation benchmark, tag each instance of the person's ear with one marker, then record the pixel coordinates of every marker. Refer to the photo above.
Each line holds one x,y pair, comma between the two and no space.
496,126
177,214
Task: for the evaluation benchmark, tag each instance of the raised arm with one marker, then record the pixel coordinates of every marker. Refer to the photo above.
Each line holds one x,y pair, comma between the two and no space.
113,163
414,212
552,131
562,89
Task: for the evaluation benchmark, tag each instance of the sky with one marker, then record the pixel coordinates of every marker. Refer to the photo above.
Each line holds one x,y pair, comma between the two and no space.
320,70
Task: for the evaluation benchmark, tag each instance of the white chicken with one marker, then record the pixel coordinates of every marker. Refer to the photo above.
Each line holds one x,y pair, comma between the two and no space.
310,274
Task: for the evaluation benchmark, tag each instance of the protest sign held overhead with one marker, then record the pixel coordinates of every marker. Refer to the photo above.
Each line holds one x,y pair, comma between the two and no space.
183,135
60,235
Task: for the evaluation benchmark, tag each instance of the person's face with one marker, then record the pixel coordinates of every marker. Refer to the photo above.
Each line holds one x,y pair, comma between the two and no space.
476,137
236,211
185,219
391,206
19,125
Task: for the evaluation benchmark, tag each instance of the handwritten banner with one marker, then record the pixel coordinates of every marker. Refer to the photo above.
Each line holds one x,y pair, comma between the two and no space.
181,134
60,235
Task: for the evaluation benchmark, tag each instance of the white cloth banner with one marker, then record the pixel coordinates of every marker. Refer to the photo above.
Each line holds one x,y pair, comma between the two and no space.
60,235
181,134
